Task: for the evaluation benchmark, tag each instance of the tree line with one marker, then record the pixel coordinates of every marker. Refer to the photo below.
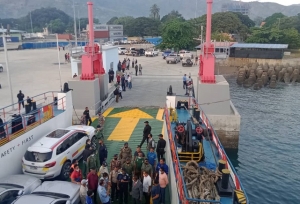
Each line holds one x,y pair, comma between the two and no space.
176,31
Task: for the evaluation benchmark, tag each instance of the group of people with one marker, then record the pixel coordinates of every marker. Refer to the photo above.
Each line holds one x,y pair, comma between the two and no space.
126,64
187,83
67,57
144,176
122,82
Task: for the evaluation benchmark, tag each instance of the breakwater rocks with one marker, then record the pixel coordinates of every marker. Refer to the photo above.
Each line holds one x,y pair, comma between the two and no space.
265,75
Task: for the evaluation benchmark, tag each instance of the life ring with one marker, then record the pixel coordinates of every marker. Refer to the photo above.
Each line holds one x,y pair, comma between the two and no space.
180,129
199,130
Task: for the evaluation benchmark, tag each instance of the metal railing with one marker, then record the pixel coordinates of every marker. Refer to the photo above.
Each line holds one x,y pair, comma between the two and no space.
17,122
183,194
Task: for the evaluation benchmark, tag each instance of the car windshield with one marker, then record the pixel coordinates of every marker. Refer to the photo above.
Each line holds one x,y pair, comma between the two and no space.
37,156
51,194
9,186
123,48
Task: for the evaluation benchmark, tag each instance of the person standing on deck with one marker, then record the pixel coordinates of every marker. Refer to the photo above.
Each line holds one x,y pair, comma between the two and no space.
123,180
125,153
136,69
138,165
115,162
155,193
89,199
103,169
137,190
102,152
128,167
151,142
103,193
123,83
93,162
147,182
146,167
160,149
118,79
132,63
163,182
20,97
83,191
87,116
161,164
152,160
146,132
113,178
136,153
85,154
93,182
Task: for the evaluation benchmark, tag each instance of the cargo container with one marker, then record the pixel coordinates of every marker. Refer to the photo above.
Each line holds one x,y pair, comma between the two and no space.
64,36
116,33
101,34
98,27
116,28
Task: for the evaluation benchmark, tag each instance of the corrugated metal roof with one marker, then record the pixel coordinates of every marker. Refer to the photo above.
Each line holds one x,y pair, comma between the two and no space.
260,46
12,31
219,44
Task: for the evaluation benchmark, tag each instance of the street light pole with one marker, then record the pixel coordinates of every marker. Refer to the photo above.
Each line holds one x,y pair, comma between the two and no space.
58,57
31,23
75,27
7,68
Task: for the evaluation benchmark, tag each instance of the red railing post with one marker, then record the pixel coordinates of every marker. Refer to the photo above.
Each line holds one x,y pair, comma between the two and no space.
39,116
24,119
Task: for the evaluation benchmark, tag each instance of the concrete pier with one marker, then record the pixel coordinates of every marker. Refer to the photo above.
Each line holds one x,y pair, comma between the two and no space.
215,101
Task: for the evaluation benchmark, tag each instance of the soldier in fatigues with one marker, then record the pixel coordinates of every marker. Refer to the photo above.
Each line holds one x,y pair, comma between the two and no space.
93,162
125,153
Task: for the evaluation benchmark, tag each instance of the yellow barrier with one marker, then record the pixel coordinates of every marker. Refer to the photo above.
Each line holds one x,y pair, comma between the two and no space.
188,156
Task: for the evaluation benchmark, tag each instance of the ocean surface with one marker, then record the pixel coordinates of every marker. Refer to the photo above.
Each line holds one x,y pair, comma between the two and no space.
268,157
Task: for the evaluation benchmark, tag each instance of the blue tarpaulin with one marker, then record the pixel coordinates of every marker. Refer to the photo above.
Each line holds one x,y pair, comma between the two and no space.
154,41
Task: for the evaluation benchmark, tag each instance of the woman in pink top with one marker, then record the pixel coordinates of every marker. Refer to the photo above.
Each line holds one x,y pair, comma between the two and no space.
163,182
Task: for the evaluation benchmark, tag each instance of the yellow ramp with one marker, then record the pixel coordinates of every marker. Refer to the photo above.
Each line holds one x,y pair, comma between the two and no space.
160,114
105,114
135,113
124,129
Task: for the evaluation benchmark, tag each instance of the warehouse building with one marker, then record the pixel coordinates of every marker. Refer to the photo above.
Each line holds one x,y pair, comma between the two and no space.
104,33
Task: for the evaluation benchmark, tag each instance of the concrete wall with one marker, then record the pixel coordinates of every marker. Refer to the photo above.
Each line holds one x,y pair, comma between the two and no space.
12,153
227,127
110,55
214,98
86,94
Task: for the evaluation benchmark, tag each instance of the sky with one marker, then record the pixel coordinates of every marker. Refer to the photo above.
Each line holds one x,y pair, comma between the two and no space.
283,2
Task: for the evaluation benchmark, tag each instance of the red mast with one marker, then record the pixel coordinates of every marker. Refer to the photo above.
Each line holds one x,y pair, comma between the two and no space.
92,59
207,58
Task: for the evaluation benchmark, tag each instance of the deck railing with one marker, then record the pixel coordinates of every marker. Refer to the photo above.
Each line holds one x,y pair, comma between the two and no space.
19,121
183,194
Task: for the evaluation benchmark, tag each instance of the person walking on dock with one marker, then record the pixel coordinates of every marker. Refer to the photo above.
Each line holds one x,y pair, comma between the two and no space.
136,69
146,132
184,78
123,83
20,97
160,149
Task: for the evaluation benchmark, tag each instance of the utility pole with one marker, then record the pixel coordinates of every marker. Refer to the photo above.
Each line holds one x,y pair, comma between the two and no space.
196,9
7,68
75,27
31,23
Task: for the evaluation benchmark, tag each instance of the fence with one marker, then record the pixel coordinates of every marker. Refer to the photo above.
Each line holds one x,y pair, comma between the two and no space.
182,191
40,45
42,108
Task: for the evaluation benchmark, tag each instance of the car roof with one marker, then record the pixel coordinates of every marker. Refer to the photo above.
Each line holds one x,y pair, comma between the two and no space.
19,179
61,187
81,128
34,199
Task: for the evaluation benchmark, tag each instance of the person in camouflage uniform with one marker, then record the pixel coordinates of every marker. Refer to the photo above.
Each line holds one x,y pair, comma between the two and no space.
93,161
115,163
125,153
128,166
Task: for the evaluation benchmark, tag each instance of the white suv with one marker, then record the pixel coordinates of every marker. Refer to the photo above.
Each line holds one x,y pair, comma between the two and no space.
51,156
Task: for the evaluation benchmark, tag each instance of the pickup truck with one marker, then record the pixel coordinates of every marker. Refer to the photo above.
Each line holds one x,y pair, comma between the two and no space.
173,58
121,50
183,52
151,53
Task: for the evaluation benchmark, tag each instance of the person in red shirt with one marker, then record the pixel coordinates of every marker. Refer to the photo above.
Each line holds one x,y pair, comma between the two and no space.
76,175
118,78
93,182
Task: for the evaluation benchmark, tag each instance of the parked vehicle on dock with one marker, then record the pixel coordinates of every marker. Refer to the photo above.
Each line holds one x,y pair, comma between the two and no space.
166,53
182,53
51,156
121,50
187,61
173,58
53,192
151,53
11,187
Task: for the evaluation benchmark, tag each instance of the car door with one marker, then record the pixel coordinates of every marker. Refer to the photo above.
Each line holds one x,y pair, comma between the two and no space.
8,196
77,141
82,137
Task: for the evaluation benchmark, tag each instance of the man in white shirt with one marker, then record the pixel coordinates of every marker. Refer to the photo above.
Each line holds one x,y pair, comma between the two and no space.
129,81
147,187
83,191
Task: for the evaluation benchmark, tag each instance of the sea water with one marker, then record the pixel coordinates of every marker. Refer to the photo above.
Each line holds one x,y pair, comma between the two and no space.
268,157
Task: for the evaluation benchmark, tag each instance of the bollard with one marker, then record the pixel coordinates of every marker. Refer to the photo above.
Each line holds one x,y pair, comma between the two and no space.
225,178
221,165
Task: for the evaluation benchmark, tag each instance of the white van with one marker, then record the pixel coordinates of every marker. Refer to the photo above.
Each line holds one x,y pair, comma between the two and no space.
121,50
183,52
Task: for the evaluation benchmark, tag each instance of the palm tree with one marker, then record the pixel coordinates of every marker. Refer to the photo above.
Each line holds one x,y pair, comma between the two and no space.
154,12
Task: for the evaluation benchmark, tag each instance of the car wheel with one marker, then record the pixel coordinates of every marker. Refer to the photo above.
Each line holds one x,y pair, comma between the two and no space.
65,171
